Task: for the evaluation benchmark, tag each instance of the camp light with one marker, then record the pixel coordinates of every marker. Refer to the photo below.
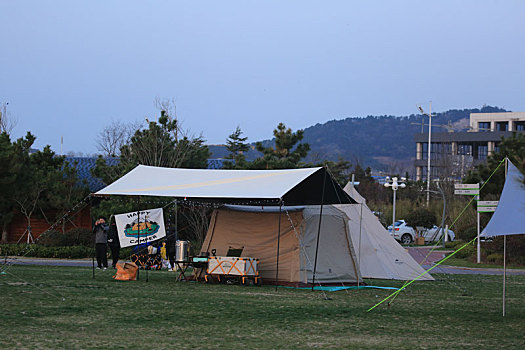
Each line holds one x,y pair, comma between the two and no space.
394,184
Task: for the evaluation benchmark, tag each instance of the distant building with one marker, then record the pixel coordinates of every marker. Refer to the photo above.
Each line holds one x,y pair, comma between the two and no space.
218,163
452,154
84,165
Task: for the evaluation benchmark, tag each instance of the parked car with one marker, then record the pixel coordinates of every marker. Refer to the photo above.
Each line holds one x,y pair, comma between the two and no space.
407,234
403,233
431,232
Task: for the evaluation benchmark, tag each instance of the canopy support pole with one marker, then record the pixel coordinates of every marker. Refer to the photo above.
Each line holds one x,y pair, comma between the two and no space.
359,252
138,238
505,248
504,269
278,244
319,230
94,244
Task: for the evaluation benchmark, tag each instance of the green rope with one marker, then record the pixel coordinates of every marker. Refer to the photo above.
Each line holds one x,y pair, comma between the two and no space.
393,295
422,274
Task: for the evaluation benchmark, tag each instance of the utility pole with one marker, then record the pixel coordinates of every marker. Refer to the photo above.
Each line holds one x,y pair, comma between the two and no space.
428,146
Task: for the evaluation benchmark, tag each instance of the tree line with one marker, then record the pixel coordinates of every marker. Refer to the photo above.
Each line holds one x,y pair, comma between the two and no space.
35,183
41,182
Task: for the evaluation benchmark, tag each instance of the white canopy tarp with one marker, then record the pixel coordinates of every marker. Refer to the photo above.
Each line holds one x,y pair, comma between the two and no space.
294,186
509,217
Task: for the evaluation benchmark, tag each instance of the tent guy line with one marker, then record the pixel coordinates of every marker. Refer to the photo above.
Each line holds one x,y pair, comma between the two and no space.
461,213
421,275
394,295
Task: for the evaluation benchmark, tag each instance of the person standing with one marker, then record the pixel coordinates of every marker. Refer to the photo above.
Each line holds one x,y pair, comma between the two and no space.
113,242
101,242
171,245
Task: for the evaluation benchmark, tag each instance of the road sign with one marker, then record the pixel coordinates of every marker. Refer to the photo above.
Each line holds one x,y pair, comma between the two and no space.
487,206
467,192
466,186
466,189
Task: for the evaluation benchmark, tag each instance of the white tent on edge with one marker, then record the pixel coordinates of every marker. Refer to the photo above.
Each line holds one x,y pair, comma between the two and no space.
509,217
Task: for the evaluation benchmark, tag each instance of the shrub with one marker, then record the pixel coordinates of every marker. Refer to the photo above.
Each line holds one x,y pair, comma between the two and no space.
421,217
496,258
41,251
52,239
515,248
74,237
79,236
467,234
466,252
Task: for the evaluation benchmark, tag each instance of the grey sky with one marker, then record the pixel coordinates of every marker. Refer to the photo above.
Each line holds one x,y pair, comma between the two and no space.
71,67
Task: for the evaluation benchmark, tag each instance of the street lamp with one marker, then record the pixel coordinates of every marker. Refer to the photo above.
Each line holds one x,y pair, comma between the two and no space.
394,184
428,146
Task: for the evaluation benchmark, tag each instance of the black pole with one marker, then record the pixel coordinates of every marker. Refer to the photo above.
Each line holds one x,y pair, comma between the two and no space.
138,238
278,243
94,239
176,224
319,230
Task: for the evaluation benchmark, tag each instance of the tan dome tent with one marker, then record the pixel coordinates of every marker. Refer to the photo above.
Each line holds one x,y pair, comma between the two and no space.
254,231
352,244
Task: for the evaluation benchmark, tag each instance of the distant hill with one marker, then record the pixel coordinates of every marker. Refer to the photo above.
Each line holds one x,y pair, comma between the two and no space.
380,142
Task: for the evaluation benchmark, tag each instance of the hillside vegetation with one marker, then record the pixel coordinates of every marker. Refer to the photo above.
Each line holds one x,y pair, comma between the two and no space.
376,141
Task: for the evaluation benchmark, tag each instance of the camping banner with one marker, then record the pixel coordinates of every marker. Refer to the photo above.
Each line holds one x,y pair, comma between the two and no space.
140,227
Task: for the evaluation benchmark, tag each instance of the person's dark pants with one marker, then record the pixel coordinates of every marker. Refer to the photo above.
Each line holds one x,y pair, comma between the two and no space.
171,257
115,253
101,254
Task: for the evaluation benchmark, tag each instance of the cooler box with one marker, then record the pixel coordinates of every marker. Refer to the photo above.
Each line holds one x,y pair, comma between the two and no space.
233,266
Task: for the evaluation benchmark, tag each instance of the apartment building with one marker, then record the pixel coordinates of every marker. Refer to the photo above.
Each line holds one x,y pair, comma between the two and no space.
452,154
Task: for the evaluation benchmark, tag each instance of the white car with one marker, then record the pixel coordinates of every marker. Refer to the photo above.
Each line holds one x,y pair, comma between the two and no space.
431,233
403,233
406,234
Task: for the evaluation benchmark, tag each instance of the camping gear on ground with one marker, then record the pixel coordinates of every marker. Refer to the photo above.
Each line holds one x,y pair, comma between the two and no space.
126,271
223,267
182,251
147,261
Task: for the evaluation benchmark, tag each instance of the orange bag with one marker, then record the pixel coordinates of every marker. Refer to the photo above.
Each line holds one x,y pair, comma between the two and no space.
126,271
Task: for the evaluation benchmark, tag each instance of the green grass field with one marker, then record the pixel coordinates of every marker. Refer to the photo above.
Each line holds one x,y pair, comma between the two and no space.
63,307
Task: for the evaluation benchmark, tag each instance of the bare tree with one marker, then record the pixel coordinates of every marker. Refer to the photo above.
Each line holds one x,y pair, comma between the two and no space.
170,110
198,218
114,136
164,142
7,123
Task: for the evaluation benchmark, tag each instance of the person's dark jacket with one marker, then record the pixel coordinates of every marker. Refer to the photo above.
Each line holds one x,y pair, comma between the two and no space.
101,233
113,236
